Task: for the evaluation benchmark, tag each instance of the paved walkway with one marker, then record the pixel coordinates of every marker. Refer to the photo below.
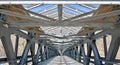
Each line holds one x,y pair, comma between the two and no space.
60,60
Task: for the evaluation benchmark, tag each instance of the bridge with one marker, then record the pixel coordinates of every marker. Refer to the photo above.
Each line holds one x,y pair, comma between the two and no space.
60,34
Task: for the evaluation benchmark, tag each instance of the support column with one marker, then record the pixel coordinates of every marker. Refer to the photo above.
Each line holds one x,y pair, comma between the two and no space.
47,52
83,53
32,49
38,54
8,47
78,55
25,53
42,53
89,51
96,53
16,45
105,46
113,49
89,48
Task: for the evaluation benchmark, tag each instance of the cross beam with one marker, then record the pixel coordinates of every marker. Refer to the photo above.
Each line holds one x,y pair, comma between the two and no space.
60,12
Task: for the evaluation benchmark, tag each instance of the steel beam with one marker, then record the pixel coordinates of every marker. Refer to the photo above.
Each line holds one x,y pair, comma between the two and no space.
34,6
78,16
113,13
74,9
74,24
96,54
113,49
105,46
89,49
16,45
25,52
38,54
7,44
89,52
83,54
60,7
32,48
42,53
6,12
88,6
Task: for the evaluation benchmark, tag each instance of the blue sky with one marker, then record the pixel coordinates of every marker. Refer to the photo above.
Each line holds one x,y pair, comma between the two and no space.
44,6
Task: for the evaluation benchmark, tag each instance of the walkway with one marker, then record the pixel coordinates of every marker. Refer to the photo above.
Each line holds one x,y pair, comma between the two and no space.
60,60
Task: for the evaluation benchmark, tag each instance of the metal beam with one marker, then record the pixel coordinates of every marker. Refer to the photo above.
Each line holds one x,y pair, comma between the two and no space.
105,46
113,13
6,12
73,23
40,15
113,49
48,9
73,9
78,16
34,6
60,7
16,45
8,47
25,52
85,5
38,54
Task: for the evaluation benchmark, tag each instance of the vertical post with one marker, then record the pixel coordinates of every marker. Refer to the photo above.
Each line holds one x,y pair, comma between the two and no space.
46,52
32,49
7,44
25,53
42,53
105,46
89,51
113,49
78,55
96,53
16,45
83,53
38,54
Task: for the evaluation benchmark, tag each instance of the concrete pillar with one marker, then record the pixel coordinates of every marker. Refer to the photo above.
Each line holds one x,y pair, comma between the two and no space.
8,47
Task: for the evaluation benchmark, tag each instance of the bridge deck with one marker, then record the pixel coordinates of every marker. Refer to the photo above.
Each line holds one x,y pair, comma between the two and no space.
60,60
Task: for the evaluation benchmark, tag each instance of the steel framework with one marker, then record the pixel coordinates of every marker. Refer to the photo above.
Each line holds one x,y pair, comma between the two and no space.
81,47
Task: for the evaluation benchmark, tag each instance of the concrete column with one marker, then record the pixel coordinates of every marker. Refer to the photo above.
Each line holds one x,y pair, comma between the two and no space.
8,47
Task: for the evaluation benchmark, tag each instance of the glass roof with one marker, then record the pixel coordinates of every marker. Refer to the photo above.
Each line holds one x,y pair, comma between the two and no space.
68,11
